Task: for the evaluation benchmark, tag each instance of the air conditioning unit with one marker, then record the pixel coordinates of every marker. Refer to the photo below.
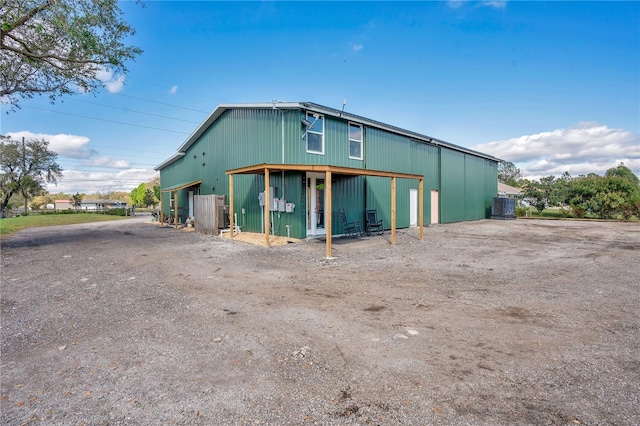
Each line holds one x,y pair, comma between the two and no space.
222,212
503,208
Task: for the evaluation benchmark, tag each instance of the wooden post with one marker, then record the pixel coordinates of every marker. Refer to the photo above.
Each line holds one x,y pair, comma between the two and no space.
393,211
175,206
421,208
327,211
231,224
161,215
267,205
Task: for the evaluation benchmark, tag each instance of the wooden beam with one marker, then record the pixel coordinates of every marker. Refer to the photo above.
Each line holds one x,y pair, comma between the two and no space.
231,224
267,205
175,206
421,208
327,211
320,168
393,211
161,215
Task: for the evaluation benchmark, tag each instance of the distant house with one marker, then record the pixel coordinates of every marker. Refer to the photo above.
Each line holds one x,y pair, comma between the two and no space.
508,191
101,204
91,205
62,204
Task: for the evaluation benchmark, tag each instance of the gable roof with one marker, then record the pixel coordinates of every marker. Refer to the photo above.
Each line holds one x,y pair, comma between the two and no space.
509,190
320,109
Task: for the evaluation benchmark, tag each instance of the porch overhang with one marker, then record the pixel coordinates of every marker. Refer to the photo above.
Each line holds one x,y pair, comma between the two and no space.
328,170
180,186
175,188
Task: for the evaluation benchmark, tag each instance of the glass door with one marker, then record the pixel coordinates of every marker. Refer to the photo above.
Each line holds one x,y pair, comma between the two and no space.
315,204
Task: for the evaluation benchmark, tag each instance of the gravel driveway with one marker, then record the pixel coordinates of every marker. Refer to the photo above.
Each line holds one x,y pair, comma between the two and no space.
488,323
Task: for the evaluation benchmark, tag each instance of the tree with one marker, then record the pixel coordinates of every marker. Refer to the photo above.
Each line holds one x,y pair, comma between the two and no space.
25,168
541,194
149,198
605,196
137,195
623,172
41,200
509,174
60,47
76,200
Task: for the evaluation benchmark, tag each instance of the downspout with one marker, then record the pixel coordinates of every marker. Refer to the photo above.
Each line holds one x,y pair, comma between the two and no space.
282,127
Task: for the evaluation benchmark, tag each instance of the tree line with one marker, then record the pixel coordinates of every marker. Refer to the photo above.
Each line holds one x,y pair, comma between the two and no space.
616,195
27,165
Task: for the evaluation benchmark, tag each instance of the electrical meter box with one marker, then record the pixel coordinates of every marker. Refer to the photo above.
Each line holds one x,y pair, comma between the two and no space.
281,205
261,198
289,207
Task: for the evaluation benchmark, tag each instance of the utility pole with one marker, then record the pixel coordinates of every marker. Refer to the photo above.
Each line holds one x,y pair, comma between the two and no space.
24,168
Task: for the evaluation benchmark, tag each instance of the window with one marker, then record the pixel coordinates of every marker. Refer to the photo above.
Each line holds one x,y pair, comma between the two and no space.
355,141
315,133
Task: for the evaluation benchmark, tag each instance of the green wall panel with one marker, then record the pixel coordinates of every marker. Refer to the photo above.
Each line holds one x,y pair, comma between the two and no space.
452,186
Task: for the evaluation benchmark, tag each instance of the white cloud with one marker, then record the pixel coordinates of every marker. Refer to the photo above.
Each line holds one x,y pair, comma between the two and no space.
93,172
108,162
72,146
113,84
173,89
495,4
587,147
455,4
90,182
357,47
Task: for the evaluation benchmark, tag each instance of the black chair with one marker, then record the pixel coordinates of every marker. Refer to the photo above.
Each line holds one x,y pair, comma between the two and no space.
351,229
373,224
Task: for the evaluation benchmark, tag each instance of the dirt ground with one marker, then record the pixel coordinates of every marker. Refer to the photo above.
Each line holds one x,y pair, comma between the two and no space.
483,323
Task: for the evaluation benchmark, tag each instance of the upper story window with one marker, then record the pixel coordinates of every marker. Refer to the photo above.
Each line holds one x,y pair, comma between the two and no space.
356,137
315,133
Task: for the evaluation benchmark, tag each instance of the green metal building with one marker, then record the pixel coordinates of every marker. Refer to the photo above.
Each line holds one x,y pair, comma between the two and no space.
458,183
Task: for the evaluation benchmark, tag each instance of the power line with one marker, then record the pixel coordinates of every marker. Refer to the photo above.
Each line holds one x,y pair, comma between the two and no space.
162,103
103,119
164,86
133,110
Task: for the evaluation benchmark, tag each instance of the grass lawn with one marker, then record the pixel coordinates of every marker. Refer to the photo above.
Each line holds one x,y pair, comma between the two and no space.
14,224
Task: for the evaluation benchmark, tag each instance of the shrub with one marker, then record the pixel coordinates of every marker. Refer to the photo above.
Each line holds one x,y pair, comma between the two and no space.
521,211
121,211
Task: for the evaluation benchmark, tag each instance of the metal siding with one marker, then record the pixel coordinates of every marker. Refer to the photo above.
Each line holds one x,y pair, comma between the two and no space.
425,160
386,151
378,197
336,143
348,194
475,188
452,185
491,179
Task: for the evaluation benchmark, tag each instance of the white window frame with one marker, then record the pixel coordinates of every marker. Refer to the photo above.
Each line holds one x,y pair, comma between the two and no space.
310,117
361,141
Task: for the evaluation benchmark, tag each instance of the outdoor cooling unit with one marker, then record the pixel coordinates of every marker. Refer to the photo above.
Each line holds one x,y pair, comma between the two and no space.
222,212
503,208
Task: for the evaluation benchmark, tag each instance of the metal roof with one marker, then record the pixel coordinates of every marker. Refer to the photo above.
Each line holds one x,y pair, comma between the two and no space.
310,106
180,186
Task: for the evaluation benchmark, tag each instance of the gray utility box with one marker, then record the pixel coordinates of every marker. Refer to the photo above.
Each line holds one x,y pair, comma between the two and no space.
503,208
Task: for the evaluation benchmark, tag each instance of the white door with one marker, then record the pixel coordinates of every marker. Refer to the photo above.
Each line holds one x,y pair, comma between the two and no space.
315,204
190,203
413,207
435,208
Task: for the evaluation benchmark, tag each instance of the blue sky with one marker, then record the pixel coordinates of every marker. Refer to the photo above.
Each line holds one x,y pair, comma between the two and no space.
551,86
